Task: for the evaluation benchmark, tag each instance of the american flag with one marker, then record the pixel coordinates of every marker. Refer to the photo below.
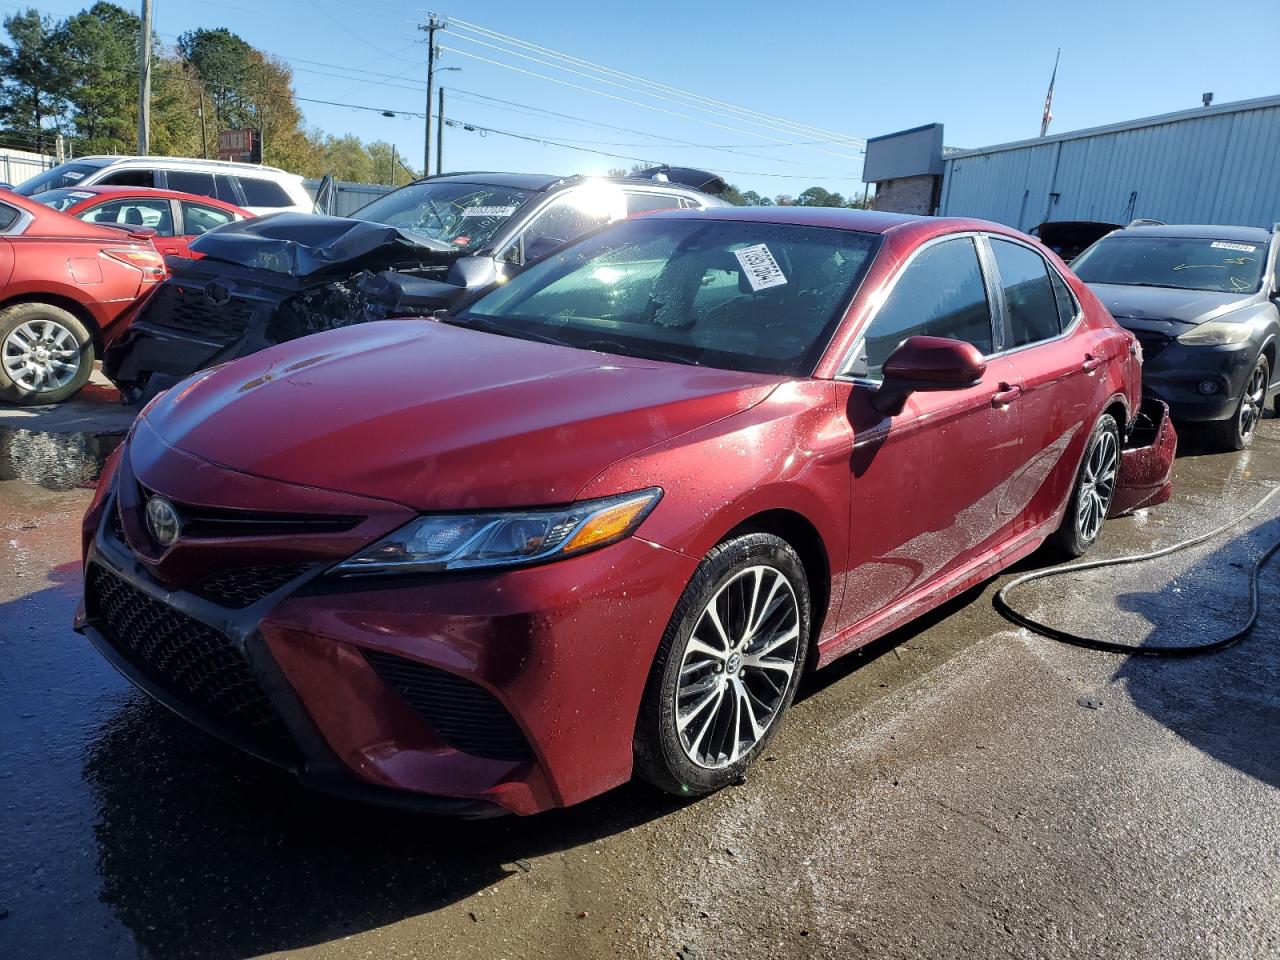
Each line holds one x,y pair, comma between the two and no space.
1048,100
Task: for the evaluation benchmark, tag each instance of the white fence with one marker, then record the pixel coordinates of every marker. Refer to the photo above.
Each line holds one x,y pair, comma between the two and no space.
18,165
350,197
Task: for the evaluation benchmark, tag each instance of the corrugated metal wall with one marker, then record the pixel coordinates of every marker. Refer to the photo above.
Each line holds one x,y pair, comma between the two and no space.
350,196
1217,165
19,165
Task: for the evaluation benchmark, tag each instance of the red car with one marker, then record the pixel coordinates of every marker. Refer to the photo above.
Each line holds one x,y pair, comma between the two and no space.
601,519
67,288
177,218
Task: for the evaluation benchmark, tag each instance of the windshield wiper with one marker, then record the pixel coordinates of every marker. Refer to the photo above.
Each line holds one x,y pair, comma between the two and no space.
643,353
492,326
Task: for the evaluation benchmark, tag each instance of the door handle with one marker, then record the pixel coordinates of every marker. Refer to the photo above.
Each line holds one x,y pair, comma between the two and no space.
1005,395
1091,363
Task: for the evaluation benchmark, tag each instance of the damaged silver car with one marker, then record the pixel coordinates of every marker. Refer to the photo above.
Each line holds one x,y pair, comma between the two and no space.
411,252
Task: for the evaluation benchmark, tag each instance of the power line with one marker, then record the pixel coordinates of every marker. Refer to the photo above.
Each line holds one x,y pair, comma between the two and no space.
601,93
830,135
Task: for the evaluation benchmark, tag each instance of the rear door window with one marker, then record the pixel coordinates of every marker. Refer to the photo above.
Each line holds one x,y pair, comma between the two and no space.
129,178
263,193
225,190
1030,302
941,293
1066,302
188,181
198,218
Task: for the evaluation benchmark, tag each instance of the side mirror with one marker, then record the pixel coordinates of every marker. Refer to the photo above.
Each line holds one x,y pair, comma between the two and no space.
471,273
927,363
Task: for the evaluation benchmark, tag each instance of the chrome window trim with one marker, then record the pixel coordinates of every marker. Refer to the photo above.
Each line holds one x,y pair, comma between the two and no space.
843,373
24,219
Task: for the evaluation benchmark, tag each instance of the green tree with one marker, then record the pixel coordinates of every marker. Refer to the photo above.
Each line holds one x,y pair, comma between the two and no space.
33,82
222,61
753,199
101,44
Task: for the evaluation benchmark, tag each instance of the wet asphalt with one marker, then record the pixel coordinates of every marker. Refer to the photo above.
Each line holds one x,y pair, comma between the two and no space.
962,788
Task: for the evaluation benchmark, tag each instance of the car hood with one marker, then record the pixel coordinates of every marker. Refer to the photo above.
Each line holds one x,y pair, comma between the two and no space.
441,417
306,244
1162,303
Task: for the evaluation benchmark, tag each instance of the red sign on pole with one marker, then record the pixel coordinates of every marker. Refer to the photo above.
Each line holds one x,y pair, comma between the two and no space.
244,145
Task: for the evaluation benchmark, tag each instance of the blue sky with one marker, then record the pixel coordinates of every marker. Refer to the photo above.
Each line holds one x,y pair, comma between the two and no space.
855,69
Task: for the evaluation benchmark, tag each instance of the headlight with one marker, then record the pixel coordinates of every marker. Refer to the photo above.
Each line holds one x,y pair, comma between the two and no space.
471,541
1216,334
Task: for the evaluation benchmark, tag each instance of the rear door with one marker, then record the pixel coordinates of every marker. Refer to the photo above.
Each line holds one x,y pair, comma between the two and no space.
928,485
1060,366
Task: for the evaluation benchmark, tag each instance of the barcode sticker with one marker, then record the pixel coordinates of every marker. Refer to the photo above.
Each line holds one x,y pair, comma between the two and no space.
1242,247
761,269
81,194
488,211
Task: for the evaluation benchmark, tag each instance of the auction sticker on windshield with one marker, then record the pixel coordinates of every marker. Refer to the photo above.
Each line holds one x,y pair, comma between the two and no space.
488,211
761,269
1242,247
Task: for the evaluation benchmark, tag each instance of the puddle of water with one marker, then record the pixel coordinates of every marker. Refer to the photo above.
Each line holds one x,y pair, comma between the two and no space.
55,461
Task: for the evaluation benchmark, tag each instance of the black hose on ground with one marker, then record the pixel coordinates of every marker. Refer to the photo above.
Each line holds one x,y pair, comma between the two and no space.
1011,613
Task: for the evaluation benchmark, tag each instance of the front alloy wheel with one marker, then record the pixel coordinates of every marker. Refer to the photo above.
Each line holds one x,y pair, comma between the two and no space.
1238,432
727,667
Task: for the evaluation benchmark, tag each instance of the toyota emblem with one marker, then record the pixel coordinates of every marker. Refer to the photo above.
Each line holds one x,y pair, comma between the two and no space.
217,293
163,522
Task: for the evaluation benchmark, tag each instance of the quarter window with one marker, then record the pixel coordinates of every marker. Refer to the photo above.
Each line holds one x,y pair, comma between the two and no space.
1030,301
8,216
940,294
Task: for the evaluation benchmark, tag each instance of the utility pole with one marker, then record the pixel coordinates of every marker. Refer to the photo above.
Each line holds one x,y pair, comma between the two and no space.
144,82
204,135
393,166
440,135
430,27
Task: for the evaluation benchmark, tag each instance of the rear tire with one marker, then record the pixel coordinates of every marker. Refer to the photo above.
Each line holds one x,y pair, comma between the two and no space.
1238,432
1094,489
727,667
46,354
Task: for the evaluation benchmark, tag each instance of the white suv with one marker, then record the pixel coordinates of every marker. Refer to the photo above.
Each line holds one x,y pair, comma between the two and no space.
249,186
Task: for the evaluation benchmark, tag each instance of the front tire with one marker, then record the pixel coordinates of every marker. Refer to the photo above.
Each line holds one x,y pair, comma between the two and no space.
1094,489
1238,432
727,667
46,354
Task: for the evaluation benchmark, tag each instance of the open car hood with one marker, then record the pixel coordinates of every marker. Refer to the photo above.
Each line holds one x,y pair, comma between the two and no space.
304,244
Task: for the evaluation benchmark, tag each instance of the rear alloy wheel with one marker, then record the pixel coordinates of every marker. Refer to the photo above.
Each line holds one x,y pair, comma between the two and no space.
46,354
1238,432
1095,487
727,668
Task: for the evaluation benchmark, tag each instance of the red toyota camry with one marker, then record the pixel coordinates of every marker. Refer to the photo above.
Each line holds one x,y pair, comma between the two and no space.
599,520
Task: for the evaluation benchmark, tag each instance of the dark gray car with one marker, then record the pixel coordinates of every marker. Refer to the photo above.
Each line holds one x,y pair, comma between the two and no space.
1203,302
415,250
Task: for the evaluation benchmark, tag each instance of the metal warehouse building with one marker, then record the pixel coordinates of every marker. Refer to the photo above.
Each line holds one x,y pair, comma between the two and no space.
1217,164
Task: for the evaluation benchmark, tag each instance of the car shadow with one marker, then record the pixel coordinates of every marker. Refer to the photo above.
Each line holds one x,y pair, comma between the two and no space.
1224,703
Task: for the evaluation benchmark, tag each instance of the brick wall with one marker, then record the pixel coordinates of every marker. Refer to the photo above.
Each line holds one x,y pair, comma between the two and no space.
907,195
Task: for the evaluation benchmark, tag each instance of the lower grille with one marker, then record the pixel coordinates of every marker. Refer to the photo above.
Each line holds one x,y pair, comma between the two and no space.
188,308
193,662
466,717
238,588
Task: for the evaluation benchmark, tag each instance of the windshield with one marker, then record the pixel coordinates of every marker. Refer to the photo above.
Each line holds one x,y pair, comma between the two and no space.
1182,263
759,297
62,200
63,175
463,214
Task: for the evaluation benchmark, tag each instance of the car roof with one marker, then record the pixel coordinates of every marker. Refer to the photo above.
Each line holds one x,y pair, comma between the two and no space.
226,166
116,190
538,182
841,218
1199,231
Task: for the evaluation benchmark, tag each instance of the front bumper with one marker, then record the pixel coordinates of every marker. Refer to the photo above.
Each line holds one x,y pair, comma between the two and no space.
1146,462
561,652
1174,372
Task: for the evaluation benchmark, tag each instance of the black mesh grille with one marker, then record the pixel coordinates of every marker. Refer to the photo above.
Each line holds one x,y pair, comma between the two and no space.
195,663
238,588
466,716
188,308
